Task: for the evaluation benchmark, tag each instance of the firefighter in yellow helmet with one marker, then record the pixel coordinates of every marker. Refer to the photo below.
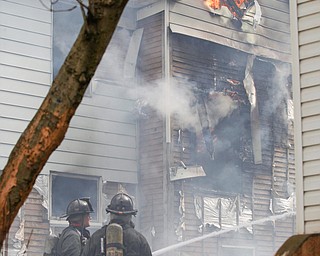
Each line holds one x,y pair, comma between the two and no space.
121,212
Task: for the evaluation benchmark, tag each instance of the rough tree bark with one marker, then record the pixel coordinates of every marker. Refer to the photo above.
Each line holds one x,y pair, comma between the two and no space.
49,126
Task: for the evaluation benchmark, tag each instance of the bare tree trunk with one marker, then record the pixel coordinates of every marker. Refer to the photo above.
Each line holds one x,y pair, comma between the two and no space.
49,126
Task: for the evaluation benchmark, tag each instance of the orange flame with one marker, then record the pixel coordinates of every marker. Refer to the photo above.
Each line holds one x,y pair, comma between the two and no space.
214,4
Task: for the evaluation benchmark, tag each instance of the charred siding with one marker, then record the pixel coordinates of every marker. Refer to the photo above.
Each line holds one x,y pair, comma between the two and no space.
208,66
31,224
276,171
151,143
264,233
271,38
36,225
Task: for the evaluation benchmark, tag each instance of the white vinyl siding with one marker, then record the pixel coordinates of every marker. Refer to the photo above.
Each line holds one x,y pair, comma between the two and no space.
25,67
305,16
101,139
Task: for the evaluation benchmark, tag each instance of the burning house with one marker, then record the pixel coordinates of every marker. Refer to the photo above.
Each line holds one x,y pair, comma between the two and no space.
220,155
191,114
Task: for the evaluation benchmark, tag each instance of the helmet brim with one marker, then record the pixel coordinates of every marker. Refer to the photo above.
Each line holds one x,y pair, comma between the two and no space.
133,212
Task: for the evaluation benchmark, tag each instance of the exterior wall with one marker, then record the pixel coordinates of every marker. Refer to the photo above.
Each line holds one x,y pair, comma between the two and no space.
274,177
207,65
25,76
30,227
306,73
152,137
25,63
193,61
102,135
101,140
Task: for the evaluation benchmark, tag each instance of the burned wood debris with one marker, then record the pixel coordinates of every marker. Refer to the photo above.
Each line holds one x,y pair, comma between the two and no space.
238,9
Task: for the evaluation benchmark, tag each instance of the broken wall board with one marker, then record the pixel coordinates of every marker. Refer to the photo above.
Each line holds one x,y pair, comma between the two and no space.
186,173
132,54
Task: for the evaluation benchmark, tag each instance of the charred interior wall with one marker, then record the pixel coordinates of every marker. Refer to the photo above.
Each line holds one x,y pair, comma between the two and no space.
215,70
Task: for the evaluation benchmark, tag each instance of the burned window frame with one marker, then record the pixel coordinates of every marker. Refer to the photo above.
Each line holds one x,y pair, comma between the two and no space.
218,77
95,201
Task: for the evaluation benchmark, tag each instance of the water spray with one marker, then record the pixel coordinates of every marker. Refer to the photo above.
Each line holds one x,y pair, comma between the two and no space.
213,234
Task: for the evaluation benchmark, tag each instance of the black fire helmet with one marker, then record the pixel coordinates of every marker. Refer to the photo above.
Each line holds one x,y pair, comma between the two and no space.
121,204
78,206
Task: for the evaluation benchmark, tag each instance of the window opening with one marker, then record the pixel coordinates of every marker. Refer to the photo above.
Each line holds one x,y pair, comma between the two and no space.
66,187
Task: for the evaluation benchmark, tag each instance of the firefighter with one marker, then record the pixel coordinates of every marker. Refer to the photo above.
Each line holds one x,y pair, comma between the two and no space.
73,237
121,212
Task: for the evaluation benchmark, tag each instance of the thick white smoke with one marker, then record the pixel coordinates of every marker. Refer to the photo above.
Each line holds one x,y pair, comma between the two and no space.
179,99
